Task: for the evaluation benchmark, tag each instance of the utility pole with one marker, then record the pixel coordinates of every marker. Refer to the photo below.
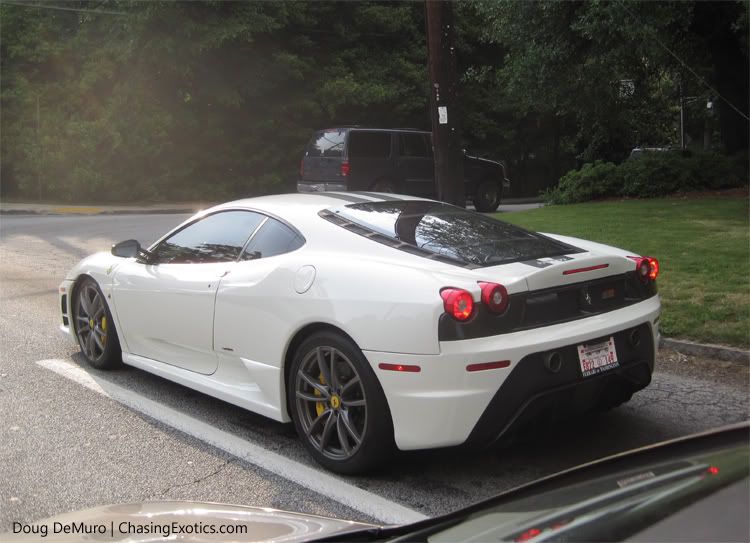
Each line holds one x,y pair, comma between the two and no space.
444,109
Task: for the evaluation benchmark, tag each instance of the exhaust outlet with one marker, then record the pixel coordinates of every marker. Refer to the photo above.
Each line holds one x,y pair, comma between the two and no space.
553,361
635,337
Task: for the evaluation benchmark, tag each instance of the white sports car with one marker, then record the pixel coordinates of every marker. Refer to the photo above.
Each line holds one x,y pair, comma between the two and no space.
373,320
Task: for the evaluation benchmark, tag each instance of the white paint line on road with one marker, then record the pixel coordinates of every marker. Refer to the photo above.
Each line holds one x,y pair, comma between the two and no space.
318,481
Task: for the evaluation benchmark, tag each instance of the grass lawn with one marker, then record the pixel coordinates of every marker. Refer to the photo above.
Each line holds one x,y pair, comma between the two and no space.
703,248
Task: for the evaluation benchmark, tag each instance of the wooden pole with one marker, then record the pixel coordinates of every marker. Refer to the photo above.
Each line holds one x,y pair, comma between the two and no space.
444,105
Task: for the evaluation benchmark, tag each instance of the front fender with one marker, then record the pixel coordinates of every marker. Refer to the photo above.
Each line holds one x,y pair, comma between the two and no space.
101,267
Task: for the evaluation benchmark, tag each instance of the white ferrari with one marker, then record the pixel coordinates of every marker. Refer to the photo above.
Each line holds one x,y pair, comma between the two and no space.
373,321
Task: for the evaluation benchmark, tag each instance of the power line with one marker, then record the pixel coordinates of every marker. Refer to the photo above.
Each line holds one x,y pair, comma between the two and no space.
61,8
685,64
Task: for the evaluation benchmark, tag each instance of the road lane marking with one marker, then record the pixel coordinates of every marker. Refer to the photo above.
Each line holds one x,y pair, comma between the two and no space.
320,482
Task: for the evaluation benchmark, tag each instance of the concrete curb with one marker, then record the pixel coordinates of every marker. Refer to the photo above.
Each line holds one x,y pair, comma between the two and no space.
720,352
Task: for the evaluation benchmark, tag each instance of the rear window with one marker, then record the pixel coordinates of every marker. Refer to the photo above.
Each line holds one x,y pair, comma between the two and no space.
328,143
449,232
369,144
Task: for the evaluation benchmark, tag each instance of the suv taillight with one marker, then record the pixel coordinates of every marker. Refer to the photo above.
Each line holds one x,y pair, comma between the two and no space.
345,168
302,168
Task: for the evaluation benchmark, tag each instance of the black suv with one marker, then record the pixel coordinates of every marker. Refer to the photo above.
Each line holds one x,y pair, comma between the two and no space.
391,160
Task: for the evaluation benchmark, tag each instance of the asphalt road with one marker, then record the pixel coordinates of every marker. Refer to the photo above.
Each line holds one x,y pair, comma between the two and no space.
72,437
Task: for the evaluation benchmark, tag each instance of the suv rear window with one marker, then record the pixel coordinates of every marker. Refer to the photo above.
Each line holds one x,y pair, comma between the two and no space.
328,143
449,232
369,144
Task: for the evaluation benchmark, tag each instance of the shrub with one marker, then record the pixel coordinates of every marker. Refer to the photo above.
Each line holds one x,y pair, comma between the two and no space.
592,181
649,175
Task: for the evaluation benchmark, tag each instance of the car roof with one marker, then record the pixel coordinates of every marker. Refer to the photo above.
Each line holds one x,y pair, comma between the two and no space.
288,205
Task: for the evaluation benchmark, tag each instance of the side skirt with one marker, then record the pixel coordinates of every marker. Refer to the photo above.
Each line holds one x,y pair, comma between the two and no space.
231,383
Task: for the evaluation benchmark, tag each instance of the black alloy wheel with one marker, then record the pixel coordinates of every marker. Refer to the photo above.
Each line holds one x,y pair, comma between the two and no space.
338,406
94,327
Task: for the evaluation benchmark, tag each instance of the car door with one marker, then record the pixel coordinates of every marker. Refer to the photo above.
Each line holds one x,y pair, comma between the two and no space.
414,164
253,315
166,309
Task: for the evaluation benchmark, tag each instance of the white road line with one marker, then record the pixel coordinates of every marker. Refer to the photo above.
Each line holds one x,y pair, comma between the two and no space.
318,481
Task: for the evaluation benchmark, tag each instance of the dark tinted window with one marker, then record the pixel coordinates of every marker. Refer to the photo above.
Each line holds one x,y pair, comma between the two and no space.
369,144
329,143
215,238
273,238
416,145
453,232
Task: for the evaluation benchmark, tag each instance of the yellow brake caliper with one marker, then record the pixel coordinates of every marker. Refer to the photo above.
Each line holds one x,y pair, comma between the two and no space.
104,329
320,406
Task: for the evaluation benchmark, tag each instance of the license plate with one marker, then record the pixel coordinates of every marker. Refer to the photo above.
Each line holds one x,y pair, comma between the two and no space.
597,357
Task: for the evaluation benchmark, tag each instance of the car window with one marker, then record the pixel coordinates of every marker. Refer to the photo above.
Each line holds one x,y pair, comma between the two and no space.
216,238
273,238
415,145
328,143
364,144
452,232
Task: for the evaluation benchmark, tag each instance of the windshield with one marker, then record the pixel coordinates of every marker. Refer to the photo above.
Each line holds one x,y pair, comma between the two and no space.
452,232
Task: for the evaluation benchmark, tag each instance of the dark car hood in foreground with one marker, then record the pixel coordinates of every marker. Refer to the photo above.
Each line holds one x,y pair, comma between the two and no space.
687,489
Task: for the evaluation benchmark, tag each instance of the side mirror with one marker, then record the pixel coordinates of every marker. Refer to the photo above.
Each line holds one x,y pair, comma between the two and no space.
127,249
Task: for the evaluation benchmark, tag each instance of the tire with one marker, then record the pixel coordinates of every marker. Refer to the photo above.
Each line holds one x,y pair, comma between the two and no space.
487,196
384,185
349,429
94,327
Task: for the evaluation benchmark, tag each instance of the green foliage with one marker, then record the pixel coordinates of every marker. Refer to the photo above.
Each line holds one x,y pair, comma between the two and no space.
650,175
211,99
195,100
591,182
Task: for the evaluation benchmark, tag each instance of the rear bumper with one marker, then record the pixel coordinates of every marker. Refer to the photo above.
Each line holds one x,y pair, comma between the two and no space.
320,186
444,404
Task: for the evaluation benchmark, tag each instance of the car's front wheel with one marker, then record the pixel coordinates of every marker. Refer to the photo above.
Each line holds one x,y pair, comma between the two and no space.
487,196
338,405
94,327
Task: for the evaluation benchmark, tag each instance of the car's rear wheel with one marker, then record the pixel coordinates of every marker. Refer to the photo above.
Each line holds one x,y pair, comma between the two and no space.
487,196
338,405
94,327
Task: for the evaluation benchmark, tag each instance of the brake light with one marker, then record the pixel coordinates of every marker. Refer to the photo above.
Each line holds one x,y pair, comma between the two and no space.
646,267
302,168
345,168
494,296
458,303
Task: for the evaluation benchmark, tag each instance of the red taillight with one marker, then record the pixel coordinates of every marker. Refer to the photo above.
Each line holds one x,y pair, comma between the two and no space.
345,168
399,367
494,296
713,470
302,168
646,267
458,303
